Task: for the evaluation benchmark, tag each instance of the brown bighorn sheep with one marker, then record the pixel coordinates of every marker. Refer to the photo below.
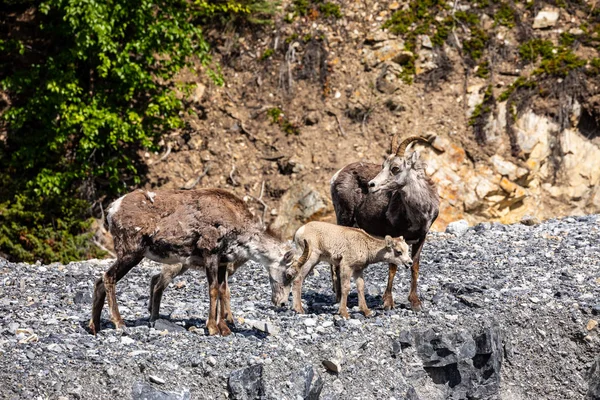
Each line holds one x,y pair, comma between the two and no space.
349,251
205,229
396,199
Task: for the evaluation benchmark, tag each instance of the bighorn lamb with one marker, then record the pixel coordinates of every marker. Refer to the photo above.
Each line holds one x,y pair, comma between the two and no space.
205,229
396,199
349,251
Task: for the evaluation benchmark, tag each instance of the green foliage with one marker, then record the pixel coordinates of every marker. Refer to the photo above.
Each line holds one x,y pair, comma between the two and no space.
328,9
505,15
315,8
85,101
483,108
257,12
418,19
566,39
520,82
278,118
483,70
532,49
594,67
557,61
266,54
408,71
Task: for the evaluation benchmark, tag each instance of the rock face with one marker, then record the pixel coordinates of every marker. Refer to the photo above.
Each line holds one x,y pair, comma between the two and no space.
467,364
247,383
594,380
143,391
488,296
299,205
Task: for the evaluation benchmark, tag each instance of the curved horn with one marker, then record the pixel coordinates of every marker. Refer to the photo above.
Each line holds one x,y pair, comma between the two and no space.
300,262
394,144
402,147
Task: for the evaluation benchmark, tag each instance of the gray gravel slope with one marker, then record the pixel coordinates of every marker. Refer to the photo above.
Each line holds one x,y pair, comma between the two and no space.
529,295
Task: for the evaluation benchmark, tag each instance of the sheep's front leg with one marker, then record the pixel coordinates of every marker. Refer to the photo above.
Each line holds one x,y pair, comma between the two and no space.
106,287
360,287
297,293
388,297
212,271
344,277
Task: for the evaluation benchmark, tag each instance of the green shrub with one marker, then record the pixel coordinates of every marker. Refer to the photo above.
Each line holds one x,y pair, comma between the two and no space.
91,87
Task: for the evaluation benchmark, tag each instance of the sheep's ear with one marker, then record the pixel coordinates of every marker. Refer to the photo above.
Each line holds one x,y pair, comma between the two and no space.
389,242
291,273
415,157
288,257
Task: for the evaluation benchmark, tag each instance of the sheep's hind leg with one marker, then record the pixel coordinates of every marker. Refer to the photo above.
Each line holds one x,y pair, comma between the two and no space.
158,285
223,302
345,289
415,303
212,271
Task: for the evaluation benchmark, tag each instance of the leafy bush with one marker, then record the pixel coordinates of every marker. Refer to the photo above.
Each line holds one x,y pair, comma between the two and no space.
90,86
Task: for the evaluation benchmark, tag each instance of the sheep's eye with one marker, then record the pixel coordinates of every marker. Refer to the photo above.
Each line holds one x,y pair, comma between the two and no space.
395,170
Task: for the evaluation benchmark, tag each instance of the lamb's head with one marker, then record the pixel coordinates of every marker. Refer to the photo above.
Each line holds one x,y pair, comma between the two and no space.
281,292
396,251
391,177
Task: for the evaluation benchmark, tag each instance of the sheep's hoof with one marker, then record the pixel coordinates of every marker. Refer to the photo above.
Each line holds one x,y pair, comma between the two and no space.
223,328
388,303
345,314
416,306
120,325
92,327
212,329
368,313
299,310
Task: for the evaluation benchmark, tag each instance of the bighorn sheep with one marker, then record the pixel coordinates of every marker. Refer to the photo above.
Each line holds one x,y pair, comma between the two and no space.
349,251
205,229
396,199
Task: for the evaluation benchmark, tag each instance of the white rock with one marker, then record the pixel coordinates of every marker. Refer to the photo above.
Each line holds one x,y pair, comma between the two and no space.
126,340
545,19
458,228
310,322
332,365
354,323
327,324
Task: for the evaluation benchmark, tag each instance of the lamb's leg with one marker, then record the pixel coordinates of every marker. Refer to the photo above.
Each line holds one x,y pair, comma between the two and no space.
345,289
415,303
335,280
297,291
338,283
158,285
388,297
222,324
106,287
297,284
360,287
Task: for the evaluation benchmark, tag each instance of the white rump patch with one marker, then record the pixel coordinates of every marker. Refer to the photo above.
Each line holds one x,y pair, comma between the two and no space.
113,209
335,176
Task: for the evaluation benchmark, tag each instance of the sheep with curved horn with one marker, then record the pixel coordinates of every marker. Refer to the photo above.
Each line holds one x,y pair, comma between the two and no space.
396,198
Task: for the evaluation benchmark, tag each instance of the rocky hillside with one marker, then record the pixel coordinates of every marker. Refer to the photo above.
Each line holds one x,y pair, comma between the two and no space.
510,312
507,89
